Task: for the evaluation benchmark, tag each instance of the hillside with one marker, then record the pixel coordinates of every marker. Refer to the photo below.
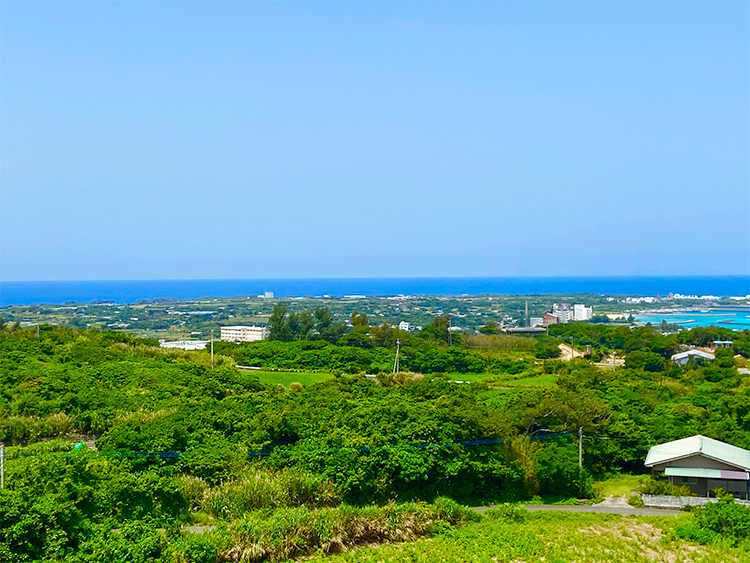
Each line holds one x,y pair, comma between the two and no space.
172,442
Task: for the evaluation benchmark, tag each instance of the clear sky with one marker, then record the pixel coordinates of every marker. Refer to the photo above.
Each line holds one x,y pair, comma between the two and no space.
144,140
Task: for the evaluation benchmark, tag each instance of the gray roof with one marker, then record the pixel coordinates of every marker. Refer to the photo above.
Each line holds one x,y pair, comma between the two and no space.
708,447
699,353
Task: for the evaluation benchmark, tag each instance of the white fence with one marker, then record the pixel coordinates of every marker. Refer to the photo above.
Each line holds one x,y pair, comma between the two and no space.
664,501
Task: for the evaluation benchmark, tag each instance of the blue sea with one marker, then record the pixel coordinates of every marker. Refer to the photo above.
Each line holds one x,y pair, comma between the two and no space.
735,319
56,292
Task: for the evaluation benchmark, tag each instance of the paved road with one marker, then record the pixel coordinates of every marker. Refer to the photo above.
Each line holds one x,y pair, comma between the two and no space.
626,510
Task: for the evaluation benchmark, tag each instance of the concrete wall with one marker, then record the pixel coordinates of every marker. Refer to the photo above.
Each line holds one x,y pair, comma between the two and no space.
663,501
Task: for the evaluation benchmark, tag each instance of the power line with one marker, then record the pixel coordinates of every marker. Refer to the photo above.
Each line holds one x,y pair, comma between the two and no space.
297,451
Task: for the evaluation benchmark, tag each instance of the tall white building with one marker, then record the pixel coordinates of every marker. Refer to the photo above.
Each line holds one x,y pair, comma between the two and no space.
244,333
582,313
563,312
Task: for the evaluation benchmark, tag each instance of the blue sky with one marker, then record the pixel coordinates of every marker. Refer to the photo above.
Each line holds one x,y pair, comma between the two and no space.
145,140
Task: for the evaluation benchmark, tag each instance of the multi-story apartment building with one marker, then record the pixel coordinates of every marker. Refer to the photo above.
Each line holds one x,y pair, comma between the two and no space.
243,333
582,313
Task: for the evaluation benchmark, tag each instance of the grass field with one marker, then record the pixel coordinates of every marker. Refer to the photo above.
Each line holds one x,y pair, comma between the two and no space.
471,377
535,381
619,485
286,377
309,378
551,537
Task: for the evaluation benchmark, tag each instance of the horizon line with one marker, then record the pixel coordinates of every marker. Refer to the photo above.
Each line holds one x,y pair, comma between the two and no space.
547,277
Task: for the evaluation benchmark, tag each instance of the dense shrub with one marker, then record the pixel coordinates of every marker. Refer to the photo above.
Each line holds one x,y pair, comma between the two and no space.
267,489
722,521
656,487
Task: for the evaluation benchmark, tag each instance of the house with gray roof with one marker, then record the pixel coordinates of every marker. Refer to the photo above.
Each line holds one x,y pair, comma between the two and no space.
692,356
703,464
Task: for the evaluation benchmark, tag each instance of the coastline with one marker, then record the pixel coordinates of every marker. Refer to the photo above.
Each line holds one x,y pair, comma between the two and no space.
128,291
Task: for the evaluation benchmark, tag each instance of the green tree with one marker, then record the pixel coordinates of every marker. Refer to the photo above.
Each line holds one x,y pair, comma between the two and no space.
490,328
645,360
278,327
359,319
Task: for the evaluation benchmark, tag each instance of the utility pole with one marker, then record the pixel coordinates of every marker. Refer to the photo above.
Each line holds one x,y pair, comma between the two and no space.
212,349
2,466
395,363
37,331
527,314
580,458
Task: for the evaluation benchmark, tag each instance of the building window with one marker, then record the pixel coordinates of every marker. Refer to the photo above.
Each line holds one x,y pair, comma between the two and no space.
689,480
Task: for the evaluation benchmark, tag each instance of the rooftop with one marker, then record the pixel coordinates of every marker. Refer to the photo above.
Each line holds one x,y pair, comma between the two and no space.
699,353
701,445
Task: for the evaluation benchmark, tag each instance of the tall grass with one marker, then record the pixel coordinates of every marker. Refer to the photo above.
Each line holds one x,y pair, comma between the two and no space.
498,342
288,533
510,534
262,489
619,485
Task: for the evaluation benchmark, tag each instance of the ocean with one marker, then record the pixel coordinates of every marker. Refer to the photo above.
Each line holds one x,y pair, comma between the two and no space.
127,291
734,319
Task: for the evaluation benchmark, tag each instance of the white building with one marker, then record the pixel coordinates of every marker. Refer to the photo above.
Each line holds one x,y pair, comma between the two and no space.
403,325
692,355
563,312
536,321
617,317
185,344
582,313
244,333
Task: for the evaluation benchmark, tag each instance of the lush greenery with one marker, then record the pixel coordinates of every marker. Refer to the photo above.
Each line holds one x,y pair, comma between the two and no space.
512,534
281,471
648,339
720,523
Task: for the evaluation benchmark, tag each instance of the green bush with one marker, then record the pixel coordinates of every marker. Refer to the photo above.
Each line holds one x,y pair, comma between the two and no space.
722,521
264,489
507,513
655,487
636,501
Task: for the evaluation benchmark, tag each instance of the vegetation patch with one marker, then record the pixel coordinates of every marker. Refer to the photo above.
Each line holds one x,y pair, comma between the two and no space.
618,485
286,378
540,536
293,532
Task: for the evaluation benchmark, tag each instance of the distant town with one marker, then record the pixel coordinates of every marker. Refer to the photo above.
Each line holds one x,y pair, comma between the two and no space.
244,318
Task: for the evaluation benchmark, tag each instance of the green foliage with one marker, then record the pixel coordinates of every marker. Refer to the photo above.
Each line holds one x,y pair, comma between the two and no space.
722,521
490,328
286,325
507,513
656,487
546,348
292,532
636,501
645,360
262,489
547,536
178,442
